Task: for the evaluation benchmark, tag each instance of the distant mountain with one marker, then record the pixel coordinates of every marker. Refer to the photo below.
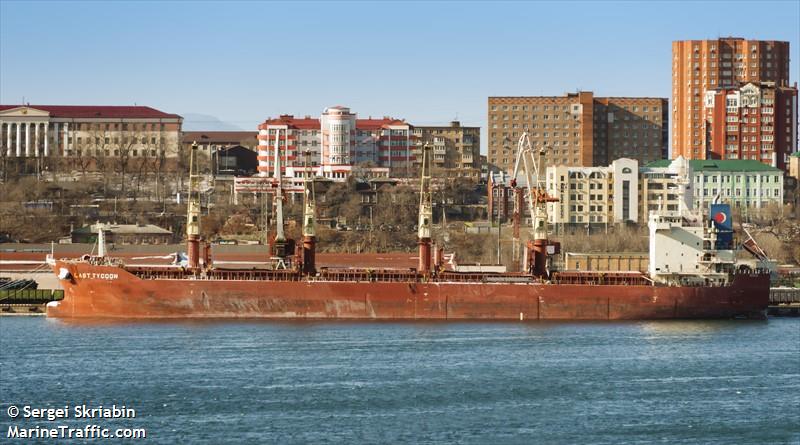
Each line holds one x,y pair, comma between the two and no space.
205,122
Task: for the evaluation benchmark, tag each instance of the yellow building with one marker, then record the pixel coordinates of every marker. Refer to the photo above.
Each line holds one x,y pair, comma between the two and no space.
456,149
591,196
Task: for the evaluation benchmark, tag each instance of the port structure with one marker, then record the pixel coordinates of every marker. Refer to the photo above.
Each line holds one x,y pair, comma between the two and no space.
425,213
538,248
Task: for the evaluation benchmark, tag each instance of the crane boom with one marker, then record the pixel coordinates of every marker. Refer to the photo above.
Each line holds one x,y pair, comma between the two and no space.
530,161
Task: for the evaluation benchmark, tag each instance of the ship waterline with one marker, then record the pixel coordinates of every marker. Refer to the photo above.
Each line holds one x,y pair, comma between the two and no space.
110,291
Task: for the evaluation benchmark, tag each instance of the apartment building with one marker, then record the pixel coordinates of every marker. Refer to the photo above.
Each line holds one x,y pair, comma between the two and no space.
455,149
336,145
702,65
594,195
578,129
757,121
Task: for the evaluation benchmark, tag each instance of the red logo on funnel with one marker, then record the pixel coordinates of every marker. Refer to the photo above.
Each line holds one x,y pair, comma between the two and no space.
720,218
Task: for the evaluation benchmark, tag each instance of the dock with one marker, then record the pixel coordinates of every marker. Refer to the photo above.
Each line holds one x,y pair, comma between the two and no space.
784,302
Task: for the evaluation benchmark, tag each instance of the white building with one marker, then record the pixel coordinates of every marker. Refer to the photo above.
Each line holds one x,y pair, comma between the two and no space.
78,131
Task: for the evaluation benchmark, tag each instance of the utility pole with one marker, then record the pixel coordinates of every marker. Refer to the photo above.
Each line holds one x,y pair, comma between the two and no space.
499,226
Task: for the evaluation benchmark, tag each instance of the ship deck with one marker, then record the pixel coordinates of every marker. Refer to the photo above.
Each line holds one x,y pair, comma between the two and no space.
387,276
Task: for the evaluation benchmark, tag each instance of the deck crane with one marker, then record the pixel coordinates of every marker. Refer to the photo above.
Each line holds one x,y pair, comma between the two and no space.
282,248
309,223
425,213
536,251
193,212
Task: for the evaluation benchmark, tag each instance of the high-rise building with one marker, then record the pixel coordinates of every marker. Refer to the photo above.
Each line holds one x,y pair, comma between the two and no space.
456,149
757,122
702,65
578,129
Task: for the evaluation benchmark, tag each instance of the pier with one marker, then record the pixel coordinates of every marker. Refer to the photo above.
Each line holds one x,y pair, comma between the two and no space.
784,302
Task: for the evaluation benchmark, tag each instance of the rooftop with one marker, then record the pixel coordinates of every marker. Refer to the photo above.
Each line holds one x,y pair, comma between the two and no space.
219,137
148,229
96,111
729,165
308,123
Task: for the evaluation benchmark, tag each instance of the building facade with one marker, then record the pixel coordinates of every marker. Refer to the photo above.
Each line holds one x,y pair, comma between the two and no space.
456,150
625,192
56,131
756,122
123,234
702,65
594,195
336,146
744,184
211,141
578,129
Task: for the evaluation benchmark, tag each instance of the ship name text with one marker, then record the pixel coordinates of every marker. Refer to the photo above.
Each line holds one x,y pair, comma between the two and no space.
98,276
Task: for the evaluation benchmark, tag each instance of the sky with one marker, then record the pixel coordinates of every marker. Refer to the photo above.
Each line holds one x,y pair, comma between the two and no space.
426,62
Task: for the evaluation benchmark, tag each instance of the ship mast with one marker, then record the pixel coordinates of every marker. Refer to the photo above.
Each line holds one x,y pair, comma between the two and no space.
309,223
425,213
193,212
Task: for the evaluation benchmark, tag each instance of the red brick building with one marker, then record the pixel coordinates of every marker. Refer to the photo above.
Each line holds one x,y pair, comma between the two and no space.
705,65
757,121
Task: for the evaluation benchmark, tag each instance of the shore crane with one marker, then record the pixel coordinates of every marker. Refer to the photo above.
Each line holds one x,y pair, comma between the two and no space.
535,194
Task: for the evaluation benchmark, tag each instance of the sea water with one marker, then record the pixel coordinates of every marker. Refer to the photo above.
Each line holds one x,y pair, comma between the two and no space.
671,382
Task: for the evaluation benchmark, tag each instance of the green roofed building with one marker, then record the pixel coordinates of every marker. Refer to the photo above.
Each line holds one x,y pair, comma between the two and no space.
744,184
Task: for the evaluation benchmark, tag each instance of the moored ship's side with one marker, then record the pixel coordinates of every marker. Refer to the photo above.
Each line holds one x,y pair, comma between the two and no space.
113,292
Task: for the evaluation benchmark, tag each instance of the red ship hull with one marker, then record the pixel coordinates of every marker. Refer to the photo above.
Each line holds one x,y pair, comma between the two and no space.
112,292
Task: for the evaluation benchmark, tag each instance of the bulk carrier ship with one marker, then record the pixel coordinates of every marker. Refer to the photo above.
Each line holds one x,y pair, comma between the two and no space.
693,273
